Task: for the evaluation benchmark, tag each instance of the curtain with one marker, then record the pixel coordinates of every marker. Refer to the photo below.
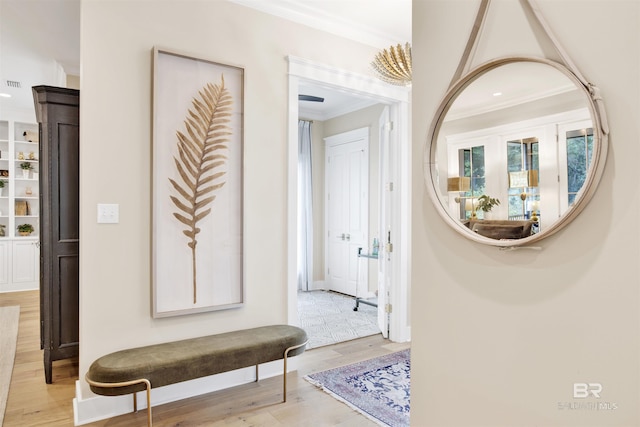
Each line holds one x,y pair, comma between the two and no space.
305,207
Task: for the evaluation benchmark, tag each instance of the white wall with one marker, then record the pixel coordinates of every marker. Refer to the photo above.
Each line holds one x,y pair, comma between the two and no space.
499,338
116,117
317,179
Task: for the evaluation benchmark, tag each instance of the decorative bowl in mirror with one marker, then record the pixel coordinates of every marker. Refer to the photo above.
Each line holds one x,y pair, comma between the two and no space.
523,133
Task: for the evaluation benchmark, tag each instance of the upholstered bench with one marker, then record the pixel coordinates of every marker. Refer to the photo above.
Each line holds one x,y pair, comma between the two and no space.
143,368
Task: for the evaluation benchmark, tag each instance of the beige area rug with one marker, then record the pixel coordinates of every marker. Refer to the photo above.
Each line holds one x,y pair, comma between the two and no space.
328,318
9,317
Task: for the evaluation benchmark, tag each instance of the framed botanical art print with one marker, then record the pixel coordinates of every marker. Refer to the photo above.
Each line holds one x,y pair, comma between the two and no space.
197,184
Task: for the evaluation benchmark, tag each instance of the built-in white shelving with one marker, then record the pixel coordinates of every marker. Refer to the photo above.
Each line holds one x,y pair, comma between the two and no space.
19,204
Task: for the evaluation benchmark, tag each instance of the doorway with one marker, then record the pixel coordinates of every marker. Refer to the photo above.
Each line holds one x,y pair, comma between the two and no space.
393,272
346,206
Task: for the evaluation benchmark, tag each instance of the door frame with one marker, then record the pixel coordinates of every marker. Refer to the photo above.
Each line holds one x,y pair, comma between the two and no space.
397,98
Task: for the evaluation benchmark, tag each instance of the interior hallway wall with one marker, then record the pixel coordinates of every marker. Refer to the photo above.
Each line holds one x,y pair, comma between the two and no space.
116,117
500,337
317,130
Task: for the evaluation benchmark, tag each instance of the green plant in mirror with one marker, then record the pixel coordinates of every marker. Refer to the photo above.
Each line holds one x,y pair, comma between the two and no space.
25,166
486,203
2,183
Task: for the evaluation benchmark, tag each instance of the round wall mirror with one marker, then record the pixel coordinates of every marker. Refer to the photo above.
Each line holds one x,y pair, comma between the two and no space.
515,151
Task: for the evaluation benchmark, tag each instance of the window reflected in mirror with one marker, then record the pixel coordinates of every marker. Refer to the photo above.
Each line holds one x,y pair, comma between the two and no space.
523,166
579,153
471,161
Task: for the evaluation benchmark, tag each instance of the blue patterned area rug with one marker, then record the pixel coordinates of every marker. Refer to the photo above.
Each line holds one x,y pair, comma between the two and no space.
378,388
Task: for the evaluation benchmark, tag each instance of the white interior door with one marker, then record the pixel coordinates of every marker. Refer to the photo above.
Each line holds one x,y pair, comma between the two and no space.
346,208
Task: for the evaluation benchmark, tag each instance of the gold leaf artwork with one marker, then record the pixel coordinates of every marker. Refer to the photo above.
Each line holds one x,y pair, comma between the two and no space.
200,161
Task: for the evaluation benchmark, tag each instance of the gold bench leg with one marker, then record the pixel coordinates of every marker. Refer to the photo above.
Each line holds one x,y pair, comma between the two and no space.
149,419
284,374
135,399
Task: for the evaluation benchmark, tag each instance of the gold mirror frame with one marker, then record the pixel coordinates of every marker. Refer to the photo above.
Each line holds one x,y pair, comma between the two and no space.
596,168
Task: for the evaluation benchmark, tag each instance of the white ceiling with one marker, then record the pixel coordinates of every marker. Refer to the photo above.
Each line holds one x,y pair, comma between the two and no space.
53,26
378,23
336,103
507,86
34,36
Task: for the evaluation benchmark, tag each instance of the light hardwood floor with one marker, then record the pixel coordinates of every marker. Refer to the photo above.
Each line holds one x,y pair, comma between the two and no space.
32,402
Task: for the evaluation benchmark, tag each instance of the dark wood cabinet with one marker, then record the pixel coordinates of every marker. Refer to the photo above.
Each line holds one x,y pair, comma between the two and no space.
58,115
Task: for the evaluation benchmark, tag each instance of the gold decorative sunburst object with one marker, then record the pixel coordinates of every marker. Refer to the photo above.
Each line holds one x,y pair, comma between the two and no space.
393,65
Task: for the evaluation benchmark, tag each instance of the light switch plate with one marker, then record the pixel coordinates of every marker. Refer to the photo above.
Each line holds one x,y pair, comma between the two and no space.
108,213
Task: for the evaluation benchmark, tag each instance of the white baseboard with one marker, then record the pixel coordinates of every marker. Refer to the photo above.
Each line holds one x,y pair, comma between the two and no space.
367,295
318,285
19,287
94,407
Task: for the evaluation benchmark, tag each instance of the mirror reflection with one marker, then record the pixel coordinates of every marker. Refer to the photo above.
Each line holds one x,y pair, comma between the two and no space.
514,150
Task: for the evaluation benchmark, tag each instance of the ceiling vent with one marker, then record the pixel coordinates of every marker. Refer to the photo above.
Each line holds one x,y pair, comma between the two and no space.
13,83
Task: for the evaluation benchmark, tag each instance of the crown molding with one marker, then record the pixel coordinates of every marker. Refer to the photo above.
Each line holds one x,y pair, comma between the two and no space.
307,13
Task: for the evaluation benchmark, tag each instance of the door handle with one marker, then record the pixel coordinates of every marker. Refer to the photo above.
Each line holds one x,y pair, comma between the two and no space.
348,237
342,236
